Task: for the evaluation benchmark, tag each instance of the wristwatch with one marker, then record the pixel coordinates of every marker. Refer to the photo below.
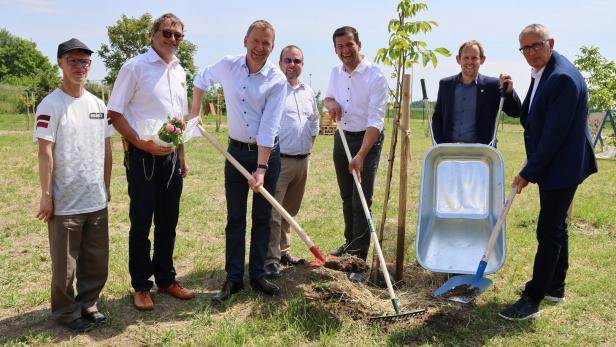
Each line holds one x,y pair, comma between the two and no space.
262,166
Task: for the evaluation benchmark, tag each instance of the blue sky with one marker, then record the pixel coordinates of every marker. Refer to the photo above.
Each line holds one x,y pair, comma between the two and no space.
218,28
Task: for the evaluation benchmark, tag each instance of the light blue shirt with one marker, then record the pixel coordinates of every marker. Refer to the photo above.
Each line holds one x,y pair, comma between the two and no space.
254,101
300,120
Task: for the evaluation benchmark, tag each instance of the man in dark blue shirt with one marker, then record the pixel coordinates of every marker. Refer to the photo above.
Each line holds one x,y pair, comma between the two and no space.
467,103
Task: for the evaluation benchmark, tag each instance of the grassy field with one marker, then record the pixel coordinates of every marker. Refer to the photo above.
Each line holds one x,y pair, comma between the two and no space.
317,306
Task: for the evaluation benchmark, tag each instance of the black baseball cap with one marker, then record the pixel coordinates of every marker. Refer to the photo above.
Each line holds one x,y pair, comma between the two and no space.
72,45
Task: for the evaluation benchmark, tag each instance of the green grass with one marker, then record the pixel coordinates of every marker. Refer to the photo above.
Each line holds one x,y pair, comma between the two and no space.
586,318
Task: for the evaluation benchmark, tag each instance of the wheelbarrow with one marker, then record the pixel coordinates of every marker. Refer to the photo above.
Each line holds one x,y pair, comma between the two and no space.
462,192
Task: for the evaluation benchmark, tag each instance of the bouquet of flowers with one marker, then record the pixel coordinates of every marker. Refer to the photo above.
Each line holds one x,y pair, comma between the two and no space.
172,131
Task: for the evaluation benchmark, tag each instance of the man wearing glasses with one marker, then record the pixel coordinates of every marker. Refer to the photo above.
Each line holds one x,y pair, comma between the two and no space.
74,151
559,157
356,97
298,129
255,91
467,103
152,86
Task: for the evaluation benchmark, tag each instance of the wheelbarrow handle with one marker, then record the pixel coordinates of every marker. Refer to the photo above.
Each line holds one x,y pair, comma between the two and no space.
302,234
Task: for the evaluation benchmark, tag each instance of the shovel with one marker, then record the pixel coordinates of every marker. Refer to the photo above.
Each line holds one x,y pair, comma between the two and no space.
377,247
320,260
465,288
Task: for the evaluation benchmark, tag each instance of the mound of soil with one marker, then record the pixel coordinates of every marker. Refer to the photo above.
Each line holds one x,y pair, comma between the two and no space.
349,263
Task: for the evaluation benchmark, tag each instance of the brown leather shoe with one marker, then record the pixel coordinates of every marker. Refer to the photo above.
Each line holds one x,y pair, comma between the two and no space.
143,301
177,291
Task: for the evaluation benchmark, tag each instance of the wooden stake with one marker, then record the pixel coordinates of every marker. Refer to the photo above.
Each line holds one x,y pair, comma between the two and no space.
404,158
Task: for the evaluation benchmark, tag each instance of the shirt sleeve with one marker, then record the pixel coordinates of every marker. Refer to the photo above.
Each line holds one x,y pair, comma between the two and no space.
378,101
315,118
109,129
123,89
331,88
46,122
272,113
210,75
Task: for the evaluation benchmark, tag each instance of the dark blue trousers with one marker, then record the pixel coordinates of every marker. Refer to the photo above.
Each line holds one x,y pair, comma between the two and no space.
154,191
236,191
552,257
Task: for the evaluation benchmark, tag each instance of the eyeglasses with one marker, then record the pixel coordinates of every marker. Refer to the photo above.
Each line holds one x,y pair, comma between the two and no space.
168,33
296,61
78,62
534,47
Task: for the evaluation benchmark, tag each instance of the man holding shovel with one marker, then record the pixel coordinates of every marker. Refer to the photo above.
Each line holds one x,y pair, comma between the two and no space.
298,129
559,157
356,97
255,91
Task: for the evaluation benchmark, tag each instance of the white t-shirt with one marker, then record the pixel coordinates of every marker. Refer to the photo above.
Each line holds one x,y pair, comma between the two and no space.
78,128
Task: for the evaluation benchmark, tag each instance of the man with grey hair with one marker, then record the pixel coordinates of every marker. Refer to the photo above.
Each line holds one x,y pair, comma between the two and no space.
255,91
559,157
467,103
298,129
150,87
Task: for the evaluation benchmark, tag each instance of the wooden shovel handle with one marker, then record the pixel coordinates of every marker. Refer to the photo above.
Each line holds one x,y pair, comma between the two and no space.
497,227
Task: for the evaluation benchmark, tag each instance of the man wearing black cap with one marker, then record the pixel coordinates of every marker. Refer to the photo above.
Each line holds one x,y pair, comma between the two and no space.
74,151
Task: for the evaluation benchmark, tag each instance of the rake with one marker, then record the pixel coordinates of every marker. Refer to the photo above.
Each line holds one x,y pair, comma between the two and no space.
392,295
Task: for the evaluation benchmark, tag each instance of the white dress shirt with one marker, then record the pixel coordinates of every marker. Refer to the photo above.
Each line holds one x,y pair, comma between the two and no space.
254,101
536,74
147,88
300,120
362,95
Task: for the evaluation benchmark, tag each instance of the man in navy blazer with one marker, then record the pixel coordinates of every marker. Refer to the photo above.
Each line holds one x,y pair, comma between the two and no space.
559,157
467,103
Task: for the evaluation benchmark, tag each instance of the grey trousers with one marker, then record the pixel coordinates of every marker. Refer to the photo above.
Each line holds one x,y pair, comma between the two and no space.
289,193
79,247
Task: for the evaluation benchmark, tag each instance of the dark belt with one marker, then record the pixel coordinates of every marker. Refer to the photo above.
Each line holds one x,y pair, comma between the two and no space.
354,133
294,156
247,146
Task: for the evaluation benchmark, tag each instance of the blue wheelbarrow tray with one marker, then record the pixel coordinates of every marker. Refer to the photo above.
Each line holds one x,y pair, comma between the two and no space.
461,195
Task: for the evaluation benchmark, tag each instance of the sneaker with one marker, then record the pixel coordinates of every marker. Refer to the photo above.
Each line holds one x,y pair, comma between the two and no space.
339,251
521,310
551,296
272,270
357,277
554,297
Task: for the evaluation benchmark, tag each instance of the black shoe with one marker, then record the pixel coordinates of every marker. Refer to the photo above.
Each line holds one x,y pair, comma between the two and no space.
94,317
228,288
289,260
272,271
340,251
521,310
555,296
264,286
79,325
357,277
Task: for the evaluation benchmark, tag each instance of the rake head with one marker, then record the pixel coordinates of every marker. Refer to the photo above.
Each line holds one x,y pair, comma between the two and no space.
396,317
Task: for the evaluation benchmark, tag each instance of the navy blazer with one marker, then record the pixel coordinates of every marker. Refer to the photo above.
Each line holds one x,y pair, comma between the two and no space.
488,98
558,145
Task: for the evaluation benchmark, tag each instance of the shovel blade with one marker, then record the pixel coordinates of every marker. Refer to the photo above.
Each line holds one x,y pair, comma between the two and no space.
463,288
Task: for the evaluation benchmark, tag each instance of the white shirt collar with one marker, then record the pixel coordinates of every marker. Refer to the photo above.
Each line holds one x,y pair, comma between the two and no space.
264,69
152,56
536,74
